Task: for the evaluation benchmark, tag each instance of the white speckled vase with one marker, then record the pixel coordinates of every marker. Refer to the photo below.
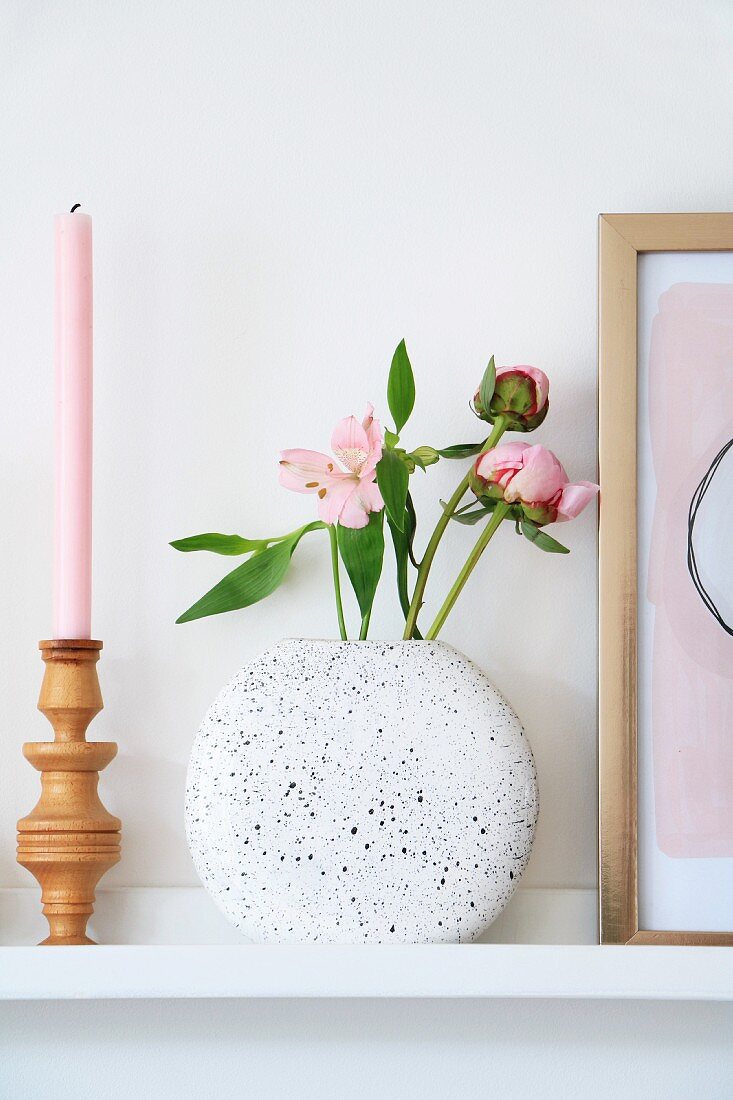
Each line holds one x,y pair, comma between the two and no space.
361,792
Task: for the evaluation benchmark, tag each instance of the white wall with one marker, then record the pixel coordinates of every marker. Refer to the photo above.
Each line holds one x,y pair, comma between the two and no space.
281,191
345,1050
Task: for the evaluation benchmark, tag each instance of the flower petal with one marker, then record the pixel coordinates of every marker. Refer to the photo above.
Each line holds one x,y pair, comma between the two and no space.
507,456
574,498
543,386
306,471
332,498
370,496
365,499
375,438
353,515
350,444
540,479
370,464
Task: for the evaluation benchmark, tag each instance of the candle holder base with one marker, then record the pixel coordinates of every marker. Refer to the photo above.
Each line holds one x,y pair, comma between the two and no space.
69,840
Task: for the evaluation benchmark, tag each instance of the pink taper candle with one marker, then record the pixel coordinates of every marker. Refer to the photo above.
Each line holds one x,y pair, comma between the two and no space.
73,518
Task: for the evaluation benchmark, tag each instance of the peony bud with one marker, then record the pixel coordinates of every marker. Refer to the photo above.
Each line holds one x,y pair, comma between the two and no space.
520,395
532,480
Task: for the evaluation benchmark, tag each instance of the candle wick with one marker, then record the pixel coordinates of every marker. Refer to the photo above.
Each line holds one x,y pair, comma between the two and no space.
75,207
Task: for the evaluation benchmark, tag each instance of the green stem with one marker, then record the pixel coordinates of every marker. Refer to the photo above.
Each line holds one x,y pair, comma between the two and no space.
491,527
365,625
427,561
430,551
337,580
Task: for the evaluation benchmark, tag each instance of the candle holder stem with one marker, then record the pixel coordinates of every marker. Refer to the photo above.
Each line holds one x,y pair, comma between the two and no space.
69,840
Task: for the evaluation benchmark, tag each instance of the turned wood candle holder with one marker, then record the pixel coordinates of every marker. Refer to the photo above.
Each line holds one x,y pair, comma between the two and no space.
69,840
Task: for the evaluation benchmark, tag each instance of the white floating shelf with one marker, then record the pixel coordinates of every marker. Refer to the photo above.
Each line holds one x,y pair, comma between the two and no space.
480,970
173,942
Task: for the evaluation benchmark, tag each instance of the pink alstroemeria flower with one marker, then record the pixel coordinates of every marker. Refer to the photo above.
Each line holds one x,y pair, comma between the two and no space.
346,497
532,478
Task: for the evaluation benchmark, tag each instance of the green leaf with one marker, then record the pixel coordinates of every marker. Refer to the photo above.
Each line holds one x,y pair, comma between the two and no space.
542,540
400,387
402,542
399,541
393,479
252,581
220,544
362,552
488,384
470,518
245,585
390,438
461,450
411,528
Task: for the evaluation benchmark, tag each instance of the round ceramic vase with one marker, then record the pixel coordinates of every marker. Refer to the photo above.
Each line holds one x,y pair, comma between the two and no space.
361,792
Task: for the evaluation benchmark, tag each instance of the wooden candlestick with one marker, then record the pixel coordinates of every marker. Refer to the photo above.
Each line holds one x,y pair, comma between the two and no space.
69,840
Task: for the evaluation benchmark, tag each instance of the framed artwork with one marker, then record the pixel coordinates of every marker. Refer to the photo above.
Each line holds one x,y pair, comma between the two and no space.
666,578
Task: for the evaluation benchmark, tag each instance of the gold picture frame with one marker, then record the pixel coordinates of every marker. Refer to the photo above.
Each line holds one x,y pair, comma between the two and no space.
622,237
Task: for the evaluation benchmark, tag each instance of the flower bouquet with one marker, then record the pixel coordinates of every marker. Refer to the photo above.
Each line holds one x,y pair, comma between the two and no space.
367,480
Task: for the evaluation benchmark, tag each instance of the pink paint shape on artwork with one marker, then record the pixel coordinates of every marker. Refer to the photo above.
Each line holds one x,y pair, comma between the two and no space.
691,419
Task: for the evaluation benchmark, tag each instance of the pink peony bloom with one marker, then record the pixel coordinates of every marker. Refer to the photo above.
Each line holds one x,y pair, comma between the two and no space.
520,394
346,497
532,478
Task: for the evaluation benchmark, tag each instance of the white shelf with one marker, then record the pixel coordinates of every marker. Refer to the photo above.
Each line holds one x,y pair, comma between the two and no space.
482,970
173,942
